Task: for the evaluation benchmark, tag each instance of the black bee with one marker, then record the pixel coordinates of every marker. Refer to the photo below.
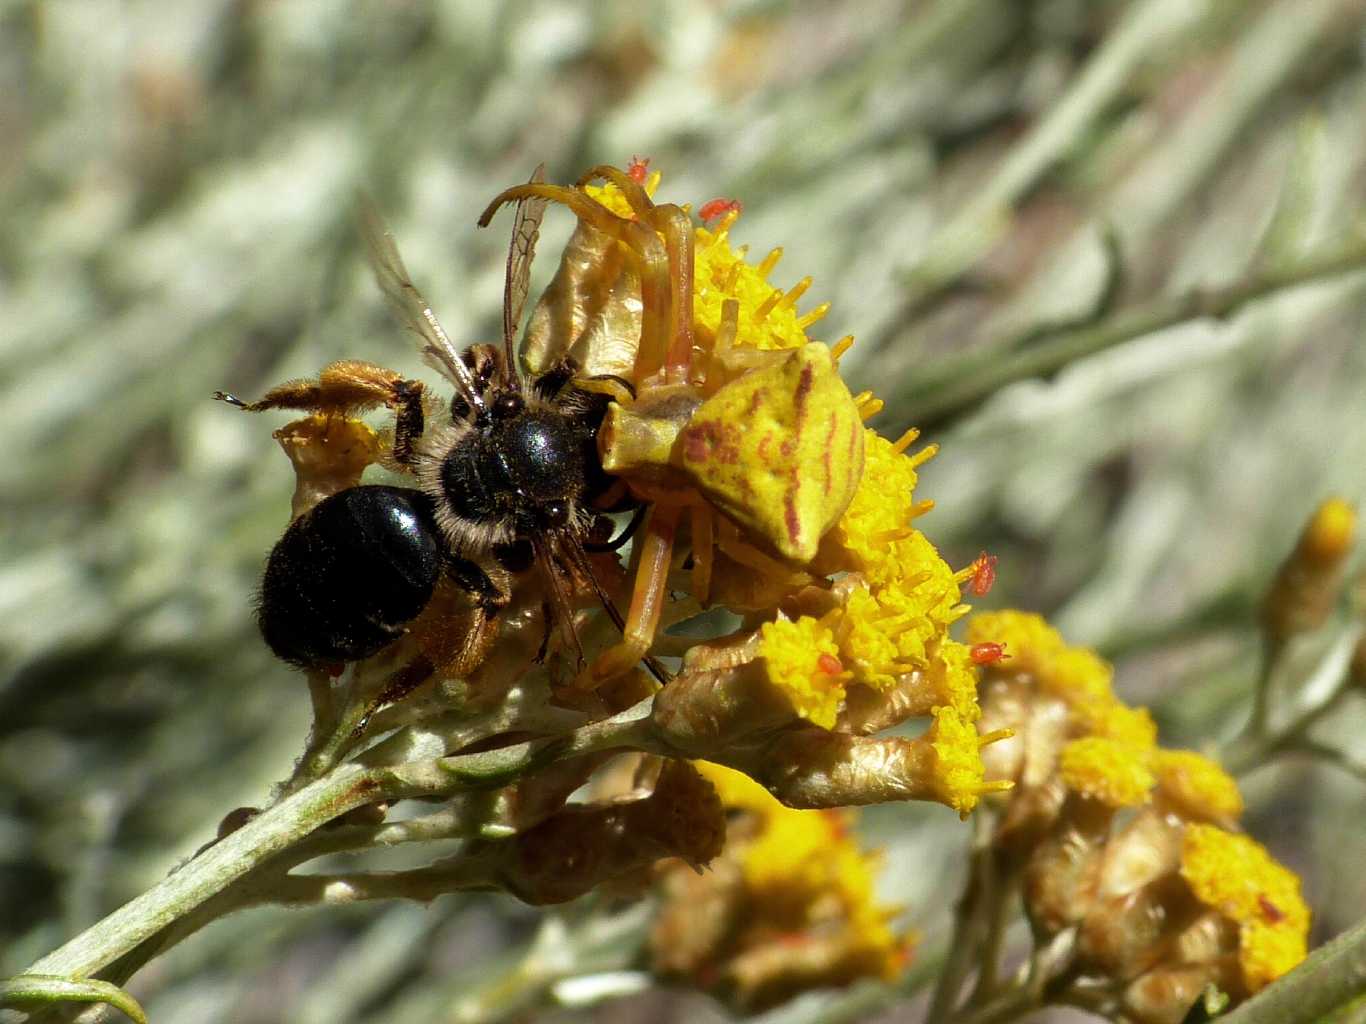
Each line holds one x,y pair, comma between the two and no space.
508,479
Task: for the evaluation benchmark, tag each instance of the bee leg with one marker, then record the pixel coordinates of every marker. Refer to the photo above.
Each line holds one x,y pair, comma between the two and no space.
647,600
552,382
478,624
409,420
474,580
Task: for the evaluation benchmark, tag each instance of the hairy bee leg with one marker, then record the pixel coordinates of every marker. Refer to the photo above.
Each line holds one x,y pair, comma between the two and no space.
346,386
478,624
471,578
399,685
647,600
552,382
409,419
655,287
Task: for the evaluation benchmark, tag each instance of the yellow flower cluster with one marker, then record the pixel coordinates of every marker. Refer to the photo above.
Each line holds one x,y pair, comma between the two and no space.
1108,754
893,625
804,870
1236,876
1106,770
801,658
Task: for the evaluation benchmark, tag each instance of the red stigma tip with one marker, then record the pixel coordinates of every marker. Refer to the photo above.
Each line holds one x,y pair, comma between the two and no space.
983,575
829,664
987,653
638,168
710,211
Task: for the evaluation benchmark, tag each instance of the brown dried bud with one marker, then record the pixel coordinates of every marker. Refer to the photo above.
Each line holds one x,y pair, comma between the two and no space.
1306,586
578,848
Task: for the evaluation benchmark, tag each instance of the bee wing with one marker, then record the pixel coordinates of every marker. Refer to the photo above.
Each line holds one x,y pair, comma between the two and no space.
408,303
525,230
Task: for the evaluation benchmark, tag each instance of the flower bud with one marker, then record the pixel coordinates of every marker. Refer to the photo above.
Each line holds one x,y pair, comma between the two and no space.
1306,586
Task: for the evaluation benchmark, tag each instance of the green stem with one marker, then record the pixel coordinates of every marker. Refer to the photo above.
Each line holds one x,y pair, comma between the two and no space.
961,383
1333,975
969,917
279,827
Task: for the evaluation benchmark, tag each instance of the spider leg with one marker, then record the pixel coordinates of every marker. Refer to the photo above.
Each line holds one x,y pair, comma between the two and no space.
652,254
647,599
631,190
703,553
677,229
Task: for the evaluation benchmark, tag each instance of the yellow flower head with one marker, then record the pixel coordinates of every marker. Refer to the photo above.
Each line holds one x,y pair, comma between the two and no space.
1198,786
1112,719
1076,674
873,530
1106,770
1234,875
801,861
1030,642
958,776
802,660
955,678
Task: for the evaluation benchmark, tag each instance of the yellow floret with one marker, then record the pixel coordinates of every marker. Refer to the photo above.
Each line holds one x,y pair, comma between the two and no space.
802,660
768,317
958,776
800,860
1266,952
1077,674
955,678
883,505
1106,770
1112,719
867,640
1199,786
1235,875
1030,642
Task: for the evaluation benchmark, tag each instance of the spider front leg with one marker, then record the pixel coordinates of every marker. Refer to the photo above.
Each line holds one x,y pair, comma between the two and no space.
642,240
651,590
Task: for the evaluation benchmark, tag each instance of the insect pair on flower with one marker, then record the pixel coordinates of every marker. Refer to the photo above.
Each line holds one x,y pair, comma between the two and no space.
618,400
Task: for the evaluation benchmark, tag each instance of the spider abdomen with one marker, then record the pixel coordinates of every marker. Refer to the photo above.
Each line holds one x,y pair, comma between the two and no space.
349,574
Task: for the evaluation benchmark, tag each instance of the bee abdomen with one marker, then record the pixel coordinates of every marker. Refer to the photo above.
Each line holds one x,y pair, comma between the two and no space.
349,574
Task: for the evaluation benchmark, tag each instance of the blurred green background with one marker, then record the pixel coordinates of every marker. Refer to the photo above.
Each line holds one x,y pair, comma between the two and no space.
177,189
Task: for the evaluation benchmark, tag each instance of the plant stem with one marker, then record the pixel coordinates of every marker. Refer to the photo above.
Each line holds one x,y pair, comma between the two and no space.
969,916
961,383
1333,975
277,828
